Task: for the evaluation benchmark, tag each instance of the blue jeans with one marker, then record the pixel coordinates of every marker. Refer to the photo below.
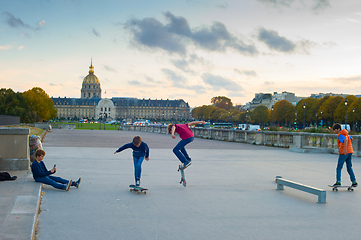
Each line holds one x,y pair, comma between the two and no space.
137,167
181,152
53,181
341,160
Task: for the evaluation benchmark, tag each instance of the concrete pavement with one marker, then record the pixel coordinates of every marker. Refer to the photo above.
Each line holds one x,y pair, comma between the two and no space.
19,202
230,193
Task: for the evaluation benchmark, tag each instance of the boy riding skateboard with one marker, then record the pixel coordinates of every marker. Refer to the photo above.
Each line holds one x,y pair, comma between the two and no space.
345,151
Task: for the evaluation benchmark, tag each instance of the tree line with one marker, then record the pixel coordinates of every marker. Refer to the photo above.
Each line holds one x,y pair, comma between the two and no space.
308,111
33,105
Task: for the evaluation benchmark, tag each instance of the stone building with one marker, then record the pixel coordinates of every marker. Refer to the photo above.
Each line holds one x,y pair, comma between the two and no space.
90,105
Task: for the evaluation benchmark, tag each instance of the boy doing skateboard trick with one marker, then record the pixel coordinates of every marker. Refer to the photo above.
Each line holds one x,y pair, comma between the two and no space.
140,151
345,151
187,137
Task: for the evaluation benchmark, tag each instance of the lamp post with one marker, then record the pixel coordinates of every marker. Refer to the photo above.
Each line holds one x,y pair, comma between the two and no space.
353,119
295,120
272,108
100,123
345,113
304,115
316,120
321,118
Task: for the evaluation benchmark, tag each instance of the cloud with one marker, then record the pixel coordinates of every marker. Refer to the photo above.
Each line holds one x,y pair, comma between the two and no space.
218,82
316,5
95,32
42,23
6,47
21,47
134,82
15,22
275,41
179,81
176,35
110,69
251,73
281,44
353,79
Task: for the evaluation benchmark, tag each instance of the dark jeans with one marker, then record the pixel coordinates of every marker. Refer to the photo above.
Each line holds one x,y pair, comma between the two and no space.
53,181
180,151
341,160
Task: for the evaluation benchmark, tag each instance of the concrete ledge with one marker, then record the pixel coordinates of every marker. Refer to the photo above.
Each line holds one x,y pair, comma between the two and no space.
14,164
310,150
316,191
14,131
23,203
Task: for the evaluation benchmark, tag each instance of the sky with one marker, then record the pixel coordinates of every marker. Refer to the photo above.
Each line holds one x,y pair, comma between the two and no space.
182,49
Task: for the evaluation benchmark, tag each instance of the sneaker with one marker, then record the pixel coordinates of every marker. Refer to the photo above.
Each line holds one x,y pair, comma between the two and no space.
67,186
77,183
137,183
337,184
354,184
185,165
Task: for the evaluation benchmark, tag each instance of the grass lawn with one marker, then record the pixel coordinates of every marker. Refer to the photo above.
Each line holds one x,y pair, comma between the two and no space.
33,130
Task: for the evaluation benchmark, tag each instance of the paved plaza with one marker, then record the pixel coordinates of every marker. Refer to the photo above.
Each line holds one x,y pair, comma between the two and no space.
230,193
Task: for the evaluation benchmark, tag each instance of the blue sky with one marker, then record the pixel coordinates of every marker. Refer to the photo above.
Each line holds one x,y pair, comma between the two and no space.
188,49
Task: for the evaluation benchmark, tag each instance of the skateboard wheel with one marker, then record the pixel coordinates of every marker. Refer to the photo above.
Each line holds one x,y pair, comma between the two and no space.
333,189
336,190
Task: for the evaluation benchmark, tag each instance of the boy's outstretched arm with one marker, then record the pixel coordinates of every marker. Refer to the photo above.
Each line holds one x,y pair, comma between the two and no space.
196,122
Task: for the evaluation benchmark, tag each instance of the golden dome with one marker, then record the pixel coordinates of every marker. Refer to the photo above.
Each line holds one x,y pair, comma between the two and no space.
91,78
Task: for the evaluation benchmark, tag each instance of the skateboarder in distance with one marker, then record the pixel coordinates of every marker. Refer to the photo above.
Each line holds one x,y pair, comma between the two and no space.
140,151
345,151
187,137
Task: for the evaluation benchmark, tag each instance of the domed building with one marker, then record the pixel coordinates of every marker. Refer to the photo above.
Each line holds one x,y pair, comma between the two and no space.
91,85
91,106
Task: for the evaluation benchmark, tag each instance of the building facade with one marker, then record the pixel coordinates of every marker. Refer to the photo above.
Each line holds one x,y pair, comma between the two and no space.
90,105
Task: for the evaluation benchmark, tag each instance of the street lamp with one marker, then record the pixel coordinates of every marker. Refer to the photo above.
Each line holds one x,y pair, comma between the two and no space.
295,120
272,108
316,120
304,116
321,118
353,118
345,113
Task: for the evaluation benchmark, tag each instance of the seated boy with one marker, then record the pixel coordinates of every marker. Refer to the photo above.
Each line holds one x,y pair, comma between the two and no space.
41,174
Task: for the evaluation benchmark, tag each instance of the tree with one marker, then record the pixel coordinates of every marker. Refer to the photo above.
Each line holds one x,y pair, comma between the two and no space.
284,112
260,115
309,112
339,113
222,102
329,107
40,102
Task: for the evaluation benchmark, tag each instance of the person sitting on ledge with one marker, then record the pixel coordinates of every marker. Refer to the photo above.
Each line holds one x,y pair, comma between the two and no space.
41,174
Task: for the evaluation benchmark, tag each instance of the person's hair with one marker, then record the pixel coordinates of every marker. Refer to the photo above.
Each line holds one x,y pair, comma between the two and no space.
336,126
169,128
137,140
39,152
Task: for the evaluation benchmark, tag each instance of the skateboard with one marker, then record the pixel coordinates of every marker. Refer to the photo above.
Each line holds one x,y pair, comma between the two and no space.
183,178
139,190
335,188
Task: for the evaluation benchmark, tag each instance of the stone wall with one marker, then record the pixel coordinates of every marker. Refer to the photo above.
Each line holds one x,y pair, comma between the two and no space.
14,148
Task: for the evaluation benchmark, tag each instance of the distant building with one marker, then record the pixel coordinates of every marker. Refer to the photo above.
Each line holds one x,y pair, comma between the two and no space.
90,105
284,96
261,99
321,95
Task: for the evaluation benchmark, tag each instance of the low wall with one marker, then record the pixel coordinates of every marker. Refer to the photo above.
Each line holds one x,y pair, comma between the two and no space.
14,149
9,120
295,141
